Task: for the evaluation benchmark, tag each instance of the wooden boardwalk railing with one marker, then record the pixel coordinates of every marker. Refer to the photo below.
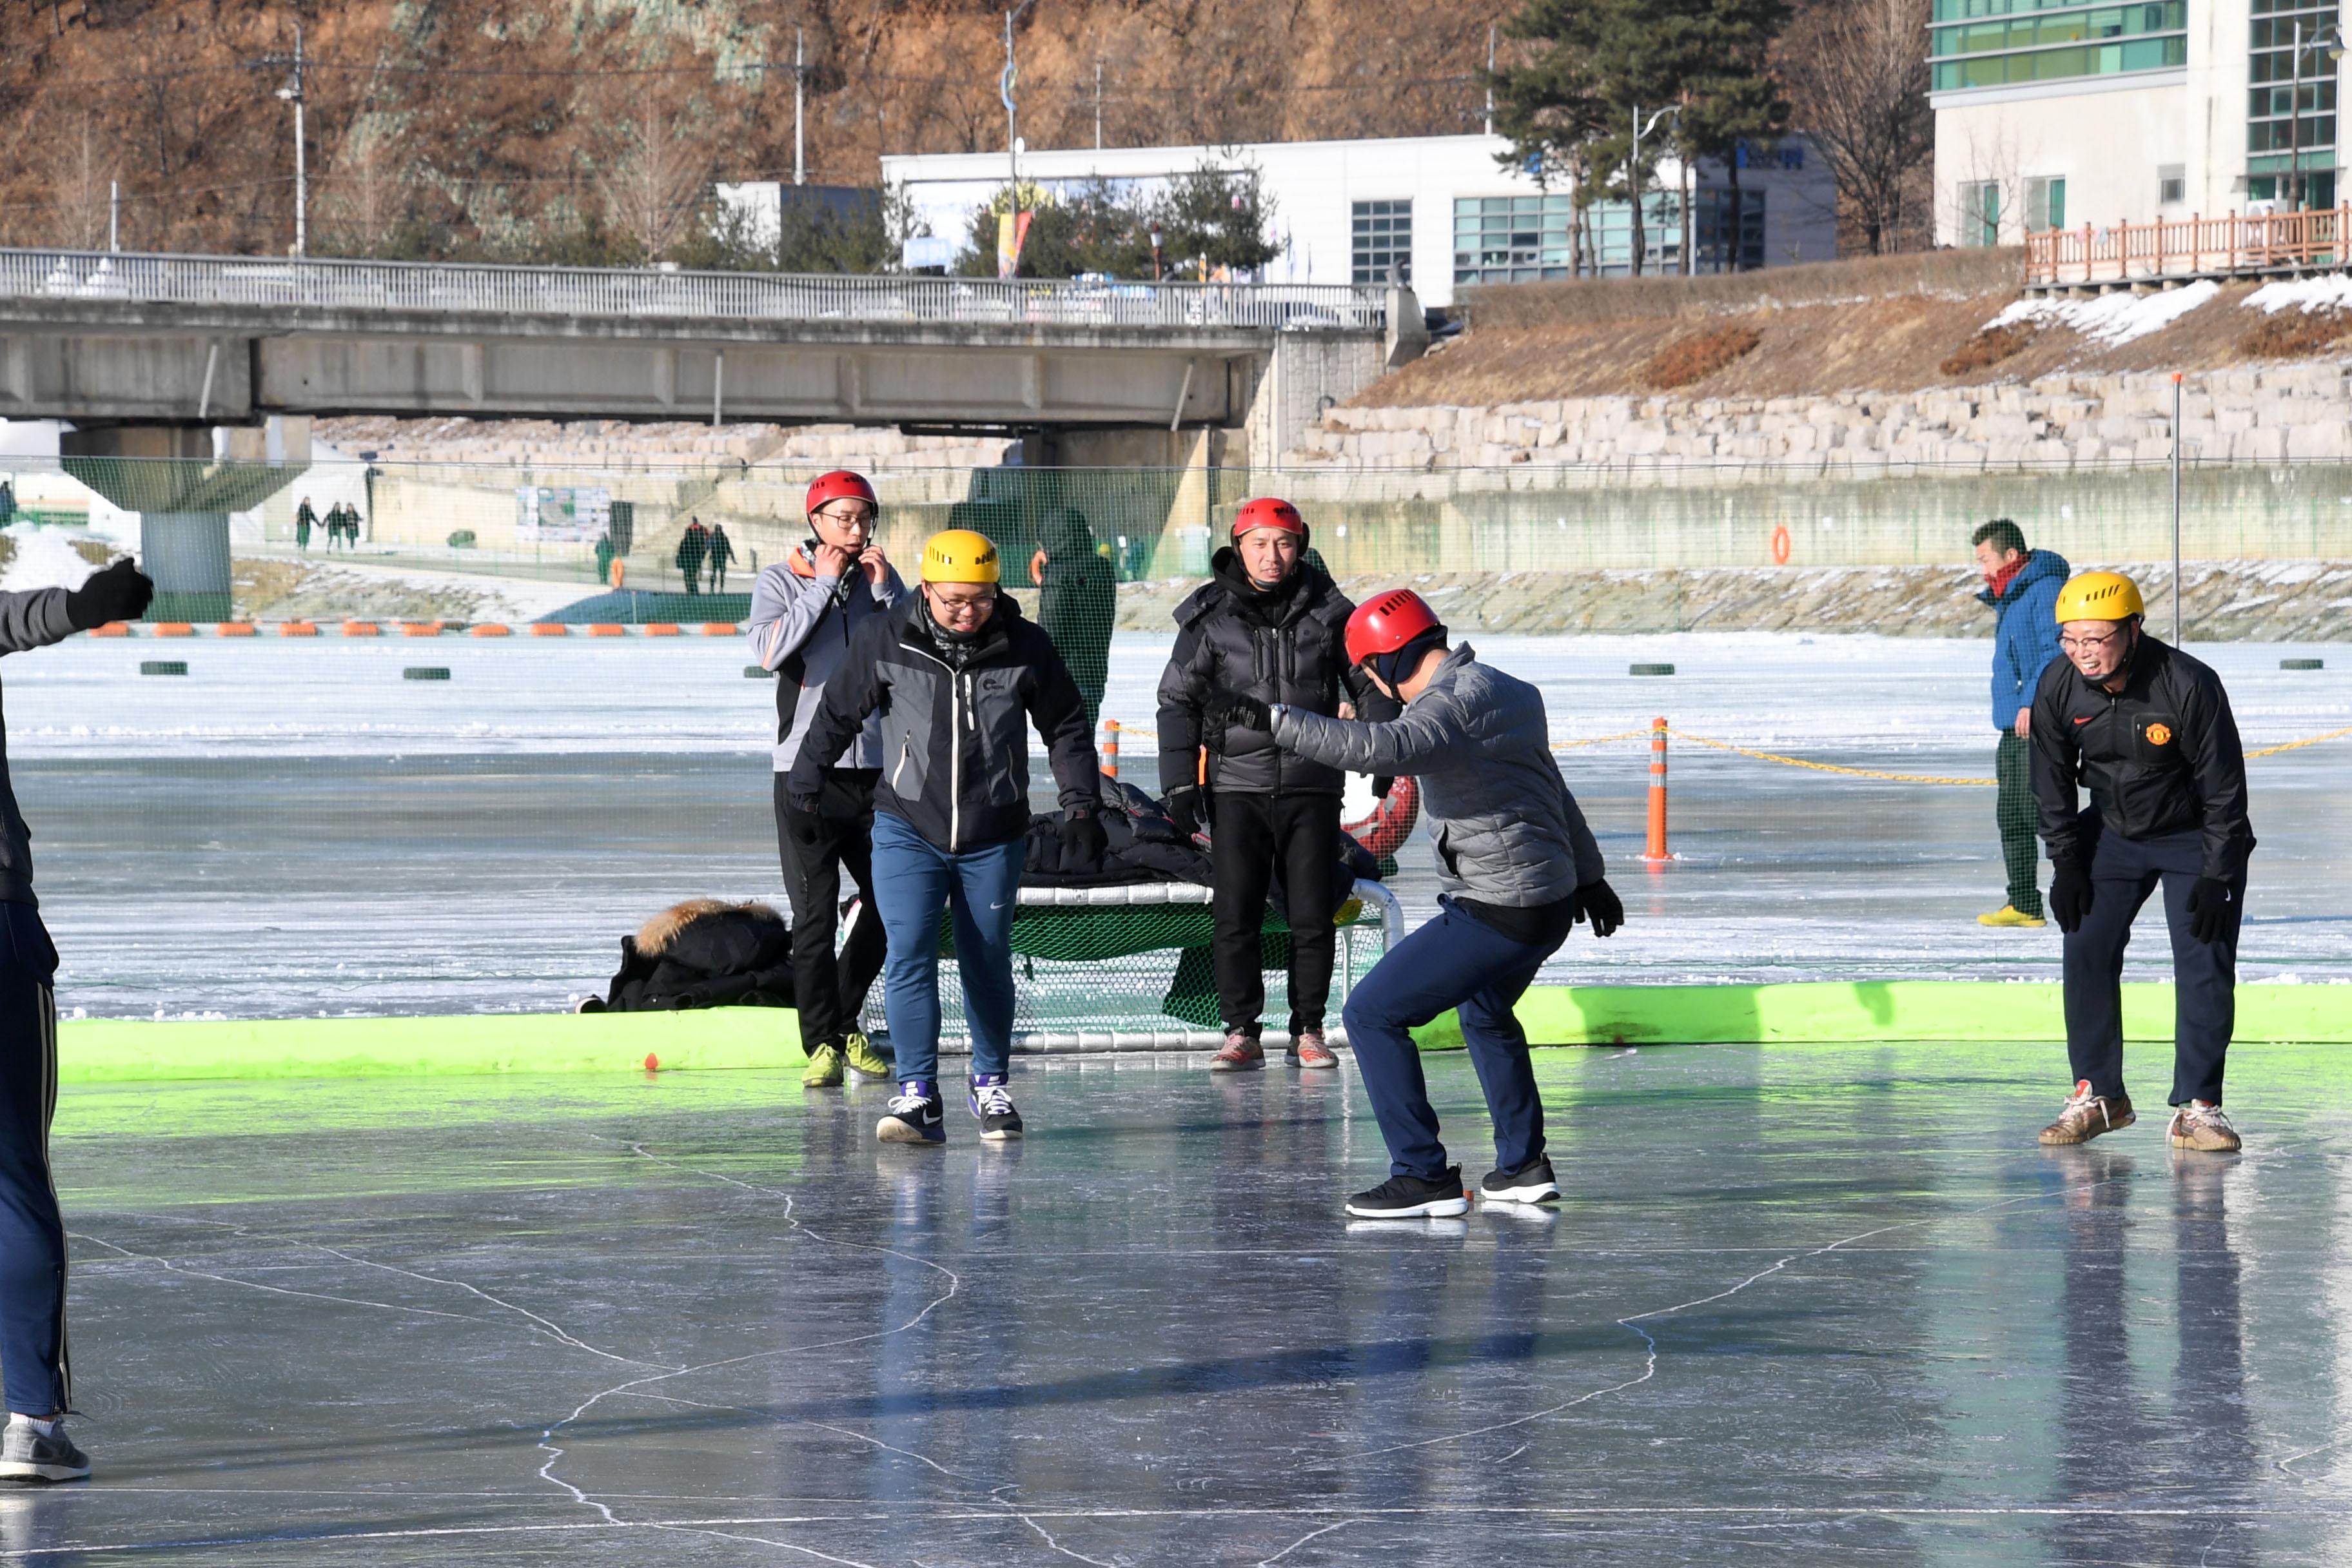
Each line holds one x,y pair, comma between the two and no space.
2312,241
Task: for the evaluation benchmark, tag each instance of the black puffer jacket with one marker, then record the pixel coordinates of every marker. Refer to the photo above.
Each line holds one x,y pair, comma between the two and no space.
1287,647
703,953
2160,756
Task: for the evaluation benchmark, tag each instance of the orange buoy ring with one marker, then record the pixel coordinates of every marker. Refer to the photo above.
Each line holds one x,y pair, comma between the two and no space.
1391,823
1780,546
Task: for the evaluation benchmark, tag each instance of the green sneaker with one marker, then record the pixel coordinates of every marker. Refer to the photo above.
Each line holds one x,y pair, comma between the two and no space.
823,1068
863,1060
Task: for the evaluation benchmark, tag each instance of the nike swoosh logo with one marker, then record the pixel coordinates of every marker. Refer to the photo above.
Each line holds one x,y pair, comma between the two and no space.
2084,720
996,906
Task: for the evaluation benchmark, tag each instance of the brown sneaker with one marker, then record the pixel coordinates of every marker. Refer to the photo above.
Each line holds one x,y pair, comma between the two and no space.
1308,1050
2199,1125
2086,1115
1242,1054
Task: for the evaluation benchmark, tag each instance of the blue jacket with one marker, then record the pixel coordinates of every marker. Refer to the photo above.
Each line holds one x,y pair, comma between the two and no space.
2025,632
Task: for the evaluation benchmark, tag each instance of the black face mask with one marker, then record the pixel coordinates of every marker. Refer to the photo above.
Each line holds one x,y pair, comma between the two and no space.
956,647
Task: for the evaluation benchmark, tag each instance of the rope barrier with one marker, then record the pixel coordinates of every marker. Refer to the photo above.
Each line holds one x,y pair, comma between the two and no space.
2298,746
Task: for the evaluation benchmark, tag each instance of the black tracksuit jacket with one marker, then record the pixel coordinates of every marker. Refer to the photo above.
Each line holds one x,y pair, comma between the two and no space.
1287,647
2161,756
955,742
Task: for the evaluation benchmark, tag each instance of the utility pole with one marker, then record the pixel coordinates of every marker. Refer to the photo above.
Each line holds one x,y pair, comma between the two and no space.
114,214
2294,149
1490,78
292,93
1004,85
1098,103
1634,181
800,84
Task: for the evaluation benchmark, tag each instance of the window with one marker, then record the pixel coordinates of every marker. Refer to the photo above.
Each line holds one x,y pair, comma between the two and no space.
1382,237
2291,106
2171,185
1525,239
2046,204
1979,222
2044,42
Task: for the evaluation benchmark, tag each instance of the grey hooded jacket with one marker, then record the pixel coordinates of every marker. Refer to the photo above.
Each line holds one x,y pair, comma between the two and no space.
26,621
1505,828
800,627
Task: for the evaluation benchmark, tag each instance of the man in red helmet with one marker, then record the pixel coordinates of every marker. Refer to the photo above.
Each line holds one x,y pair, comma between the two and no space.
1269,623
1518,869
805,610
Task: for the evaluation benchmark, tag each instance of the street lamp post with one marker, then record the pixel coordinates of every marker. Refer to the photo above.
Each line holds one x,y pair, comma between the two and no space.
1634,181
292,93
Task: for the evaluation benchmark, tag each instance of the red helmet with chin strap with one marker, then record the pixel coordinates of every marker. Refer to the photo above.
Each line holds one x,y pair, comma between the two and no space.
834,486
1268,511
1388,623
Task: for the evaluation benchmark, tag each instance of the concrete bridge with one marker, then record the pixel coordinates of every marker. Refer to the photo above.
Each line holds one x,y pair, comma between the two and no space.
146,354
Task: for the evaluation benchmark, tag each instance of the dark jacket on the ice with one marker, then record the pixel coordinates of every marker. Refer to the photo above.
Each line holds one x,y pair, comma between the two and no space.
30,620
1077,602
1142,846
2025,632
802,624
955,723
704,953
1288,646
1506,829
2160,756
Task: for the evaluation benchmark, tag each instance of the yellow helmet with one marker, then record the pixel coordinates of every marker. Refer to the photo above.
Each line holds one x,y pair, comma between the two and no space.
2099,597
960,555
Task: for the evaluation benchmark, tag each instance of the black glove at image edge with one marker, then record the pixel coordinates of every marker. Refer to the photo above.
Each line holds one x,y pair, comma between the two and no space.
1597,902
2070,894
1184,808
2209,909
1082,837
116,592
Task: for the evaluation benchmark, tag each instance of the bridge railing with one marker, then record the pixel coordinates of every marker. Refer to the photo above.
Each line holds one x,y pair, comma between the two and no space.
569,291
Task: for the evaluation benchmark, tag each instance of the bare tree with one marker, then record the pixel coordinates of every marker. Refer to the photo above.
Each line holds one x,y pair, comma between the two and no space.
1857,70
363,205
82,196
654,186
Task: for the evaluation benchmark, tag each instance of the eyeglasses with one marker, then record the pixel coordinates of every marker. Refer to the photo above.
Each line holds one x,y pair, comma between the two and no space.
957,607
854,514
2087,645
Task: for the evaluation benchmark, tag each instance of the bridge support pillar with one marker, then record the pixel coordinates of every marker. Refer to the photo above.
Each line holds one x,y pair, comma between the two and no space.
186,552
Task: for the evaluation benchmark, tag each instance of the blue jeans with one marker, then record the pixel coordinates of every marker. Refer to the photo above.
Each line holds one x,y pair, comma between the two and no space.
1452,962
914,879
32,1231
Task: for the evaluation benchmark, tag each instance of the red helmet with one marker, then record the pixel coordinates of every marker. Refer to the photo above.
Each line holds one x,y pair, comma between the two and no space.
1388,623
841,482
1266,512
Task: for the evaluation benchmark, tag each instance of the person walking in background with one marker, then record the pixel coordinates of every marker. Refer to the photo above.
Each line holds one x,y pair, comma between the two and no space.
722,550
604,557
805,614
1518,869
957,678
692,545
2021,586
1077,600
305,519
7,503
33,1363
2149,730
1271,626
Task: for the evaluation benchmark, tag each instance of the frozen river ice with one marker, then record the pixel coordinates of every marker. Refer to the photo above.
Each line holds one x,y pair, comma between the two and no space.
293,828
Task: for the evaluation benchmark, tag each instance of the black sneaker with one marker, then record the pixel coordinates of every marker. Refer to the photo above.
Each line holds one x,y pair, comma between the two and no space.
992,1103
1532,1183
28,1454
1410,1198
917,1115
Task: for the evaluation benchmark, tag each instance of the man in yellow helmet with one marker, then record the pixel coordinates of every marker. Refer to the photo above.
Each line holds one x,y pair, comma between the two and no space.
2148,730
956,679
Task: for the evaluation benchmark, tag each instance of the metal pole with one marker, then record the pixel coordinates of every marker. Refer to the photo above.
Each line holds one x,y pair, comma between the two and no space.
1098,103
2294,130
114,214
301,165
2176,509
1634,186
800,83
1490,78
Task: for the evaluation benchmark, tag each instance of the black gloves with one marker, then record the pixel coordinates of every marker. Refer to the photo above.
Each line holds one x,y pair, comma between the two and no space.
1381,784
1083,839
120,592
2209,909
1184,808
2070,894
1597,901
802,814
1234,710
1372,705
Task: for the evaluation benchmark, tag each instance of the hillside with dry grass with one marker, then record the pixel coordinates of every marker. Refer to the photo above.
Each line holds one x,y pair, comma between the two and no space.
1898,323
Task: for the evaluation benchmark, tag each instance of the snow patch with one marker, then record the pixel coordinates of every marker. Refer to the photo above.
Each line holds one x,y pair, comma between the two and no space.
2110,319
43,558
2330,291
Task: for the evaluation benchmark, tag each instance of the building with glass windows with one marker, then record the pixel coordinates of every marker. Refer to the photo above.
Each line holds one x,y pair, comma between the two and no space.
2051,114
1441,210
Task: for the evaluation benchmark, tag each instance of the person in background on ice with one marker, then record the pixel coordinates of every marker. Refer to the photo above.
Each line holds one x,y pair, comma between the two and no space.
692,545
805,614
604,557
1077,601
957,678
7,503
2021,586
1271,626
722,550
34,1446
1518,867
2148,730
305,519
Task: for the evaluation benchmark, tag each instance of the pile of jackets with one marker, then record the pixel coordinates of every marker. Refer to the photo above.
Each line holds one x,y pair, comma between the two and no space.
703,953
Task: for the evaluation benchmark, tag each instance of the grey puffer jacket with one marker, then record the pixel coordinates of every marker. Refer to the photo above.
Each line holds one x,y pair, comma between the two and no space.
27,620
800,627
1507,830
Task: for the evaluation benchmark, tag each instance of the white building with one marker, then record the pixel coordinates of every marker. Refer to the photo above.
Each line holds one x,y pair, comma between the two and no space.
2055,115
1442,208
